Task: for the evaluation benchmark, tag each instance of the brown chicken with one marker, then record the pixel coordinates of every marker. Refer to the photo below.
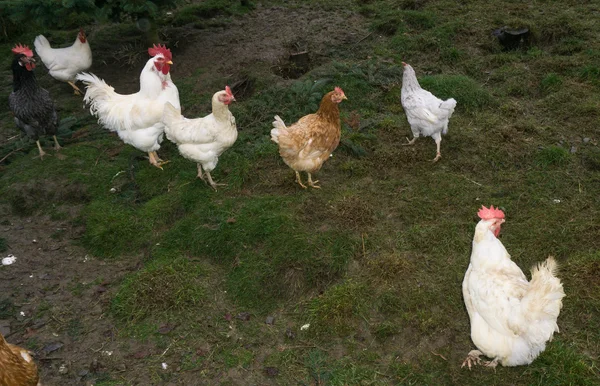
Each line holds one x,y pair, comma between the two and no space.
17,368
306,144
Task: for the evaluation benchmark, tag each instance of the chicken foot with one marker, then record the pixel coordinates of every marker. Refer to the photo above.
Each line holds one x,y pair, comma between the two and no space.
155,160
76,89
410,141
209,179
299,180
42,152
312,183
57,147
472,359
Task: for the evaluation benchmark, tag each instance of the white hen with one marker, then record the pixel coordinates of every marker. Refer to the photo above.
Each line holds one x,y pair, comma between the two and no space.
137,118
65,63
427,115
203,140
511,318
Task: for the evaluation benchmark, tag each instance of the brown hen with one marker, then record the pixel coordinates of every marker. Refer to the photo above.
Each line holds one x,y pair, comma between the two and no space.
17,368
306,144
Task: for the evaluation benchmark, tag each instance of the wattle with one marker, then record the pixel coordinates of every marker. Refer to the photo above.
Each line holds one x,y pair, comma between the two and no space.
166,68
29,66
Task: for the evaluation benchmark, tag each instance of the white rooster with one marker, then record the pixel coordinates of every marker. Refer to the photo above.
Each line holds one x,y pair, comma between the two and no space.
511,318
136,117
203,140
427,114
65,63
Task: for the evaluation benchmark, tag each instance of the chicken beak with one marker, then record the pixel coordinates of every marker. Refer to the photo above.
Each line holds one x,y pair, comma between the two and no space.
169,62
344,97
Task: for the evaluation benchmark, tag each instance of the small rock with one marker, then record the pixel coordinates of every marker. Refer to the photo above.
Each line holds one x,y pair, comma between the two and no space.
94,366
140,354
573,149
100,289
63,369
290,334
200,352
270,320
245,316
305,327
166,328
272,371
586,140
4,327
83,373
228,317
231,220
164,366
19,227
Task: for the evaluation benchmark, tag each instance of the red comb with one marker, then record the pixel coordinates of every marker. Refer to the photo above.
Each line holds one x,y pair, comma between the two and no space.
338,90
488,214
20,49
228,91
160,49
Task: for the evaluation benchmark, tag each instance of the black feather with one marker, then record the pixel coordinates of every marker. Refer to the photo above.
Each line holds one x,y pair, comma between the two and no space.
34,111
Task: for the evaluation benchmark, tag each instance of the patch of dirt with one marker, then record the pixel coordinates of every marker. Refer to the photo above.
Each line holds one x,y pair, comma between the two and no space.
54,299
268,37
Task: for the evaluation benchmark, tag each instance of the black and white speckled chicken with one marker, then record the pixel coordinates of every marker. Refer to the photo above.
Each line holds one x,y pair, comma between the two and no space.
34,110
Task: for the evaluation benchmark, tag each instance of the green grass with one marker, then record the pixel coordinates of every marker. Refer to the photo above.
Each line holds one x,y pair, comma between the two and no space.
375,259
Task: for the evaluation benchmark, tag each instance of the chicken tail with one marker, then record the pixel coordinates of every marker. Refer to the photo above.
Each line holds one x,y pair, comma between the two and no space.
278,126
41,45
104,102
543,302
449,105
170,116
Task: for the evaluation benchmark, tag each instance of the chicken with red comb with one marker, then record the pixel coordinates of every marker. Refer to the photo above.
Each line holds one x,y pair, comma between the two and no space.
137,118
308,143
65,63
34,110
512,319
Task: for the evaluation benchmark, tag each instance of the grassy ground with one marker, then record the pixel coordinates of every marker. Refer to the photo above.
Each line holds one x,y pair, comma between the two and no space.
373,261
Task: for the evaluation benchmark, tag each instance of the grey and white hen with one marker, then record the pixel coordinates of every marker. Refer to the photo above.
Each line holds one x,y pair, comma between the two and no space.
34,110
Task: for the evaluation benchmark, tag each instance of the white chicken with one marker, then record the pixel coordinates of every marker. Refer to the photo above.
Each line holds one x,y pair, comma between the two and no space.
65,63
137,118
203,140
427,115
511,318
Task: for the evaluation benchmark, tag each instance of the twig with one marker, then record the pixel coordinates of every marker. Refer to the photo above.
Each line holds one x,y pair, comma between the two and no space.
101,347
364,38
475,182
9,154
97,159
51,358
439,355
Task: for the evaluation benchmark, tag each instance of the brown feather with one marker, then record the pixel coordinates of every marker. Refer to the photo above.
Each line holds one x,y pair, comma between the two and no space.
14,369
308,143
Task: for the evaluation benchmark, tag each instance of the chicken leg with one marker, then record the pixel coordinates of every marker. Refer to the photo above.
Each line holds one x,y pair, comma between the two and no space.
57,147
299,180
438,140
42,152
312,183
76,89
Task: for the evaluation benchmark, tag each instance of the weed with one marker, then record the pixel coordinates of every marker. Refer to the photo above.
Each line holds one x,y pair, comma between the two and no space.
553,156
160,288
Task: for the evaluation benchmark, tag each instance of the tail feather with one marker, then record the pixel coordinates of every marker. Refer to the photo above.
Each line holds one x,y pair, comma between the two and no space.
41,45
170,117
105,103
278,126
543,302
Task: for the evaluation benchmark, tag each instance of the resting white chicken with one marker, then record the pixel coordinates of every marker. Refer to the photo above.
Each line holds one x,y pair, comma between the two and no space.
203,140
511,318
137,118
427,115
65,63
